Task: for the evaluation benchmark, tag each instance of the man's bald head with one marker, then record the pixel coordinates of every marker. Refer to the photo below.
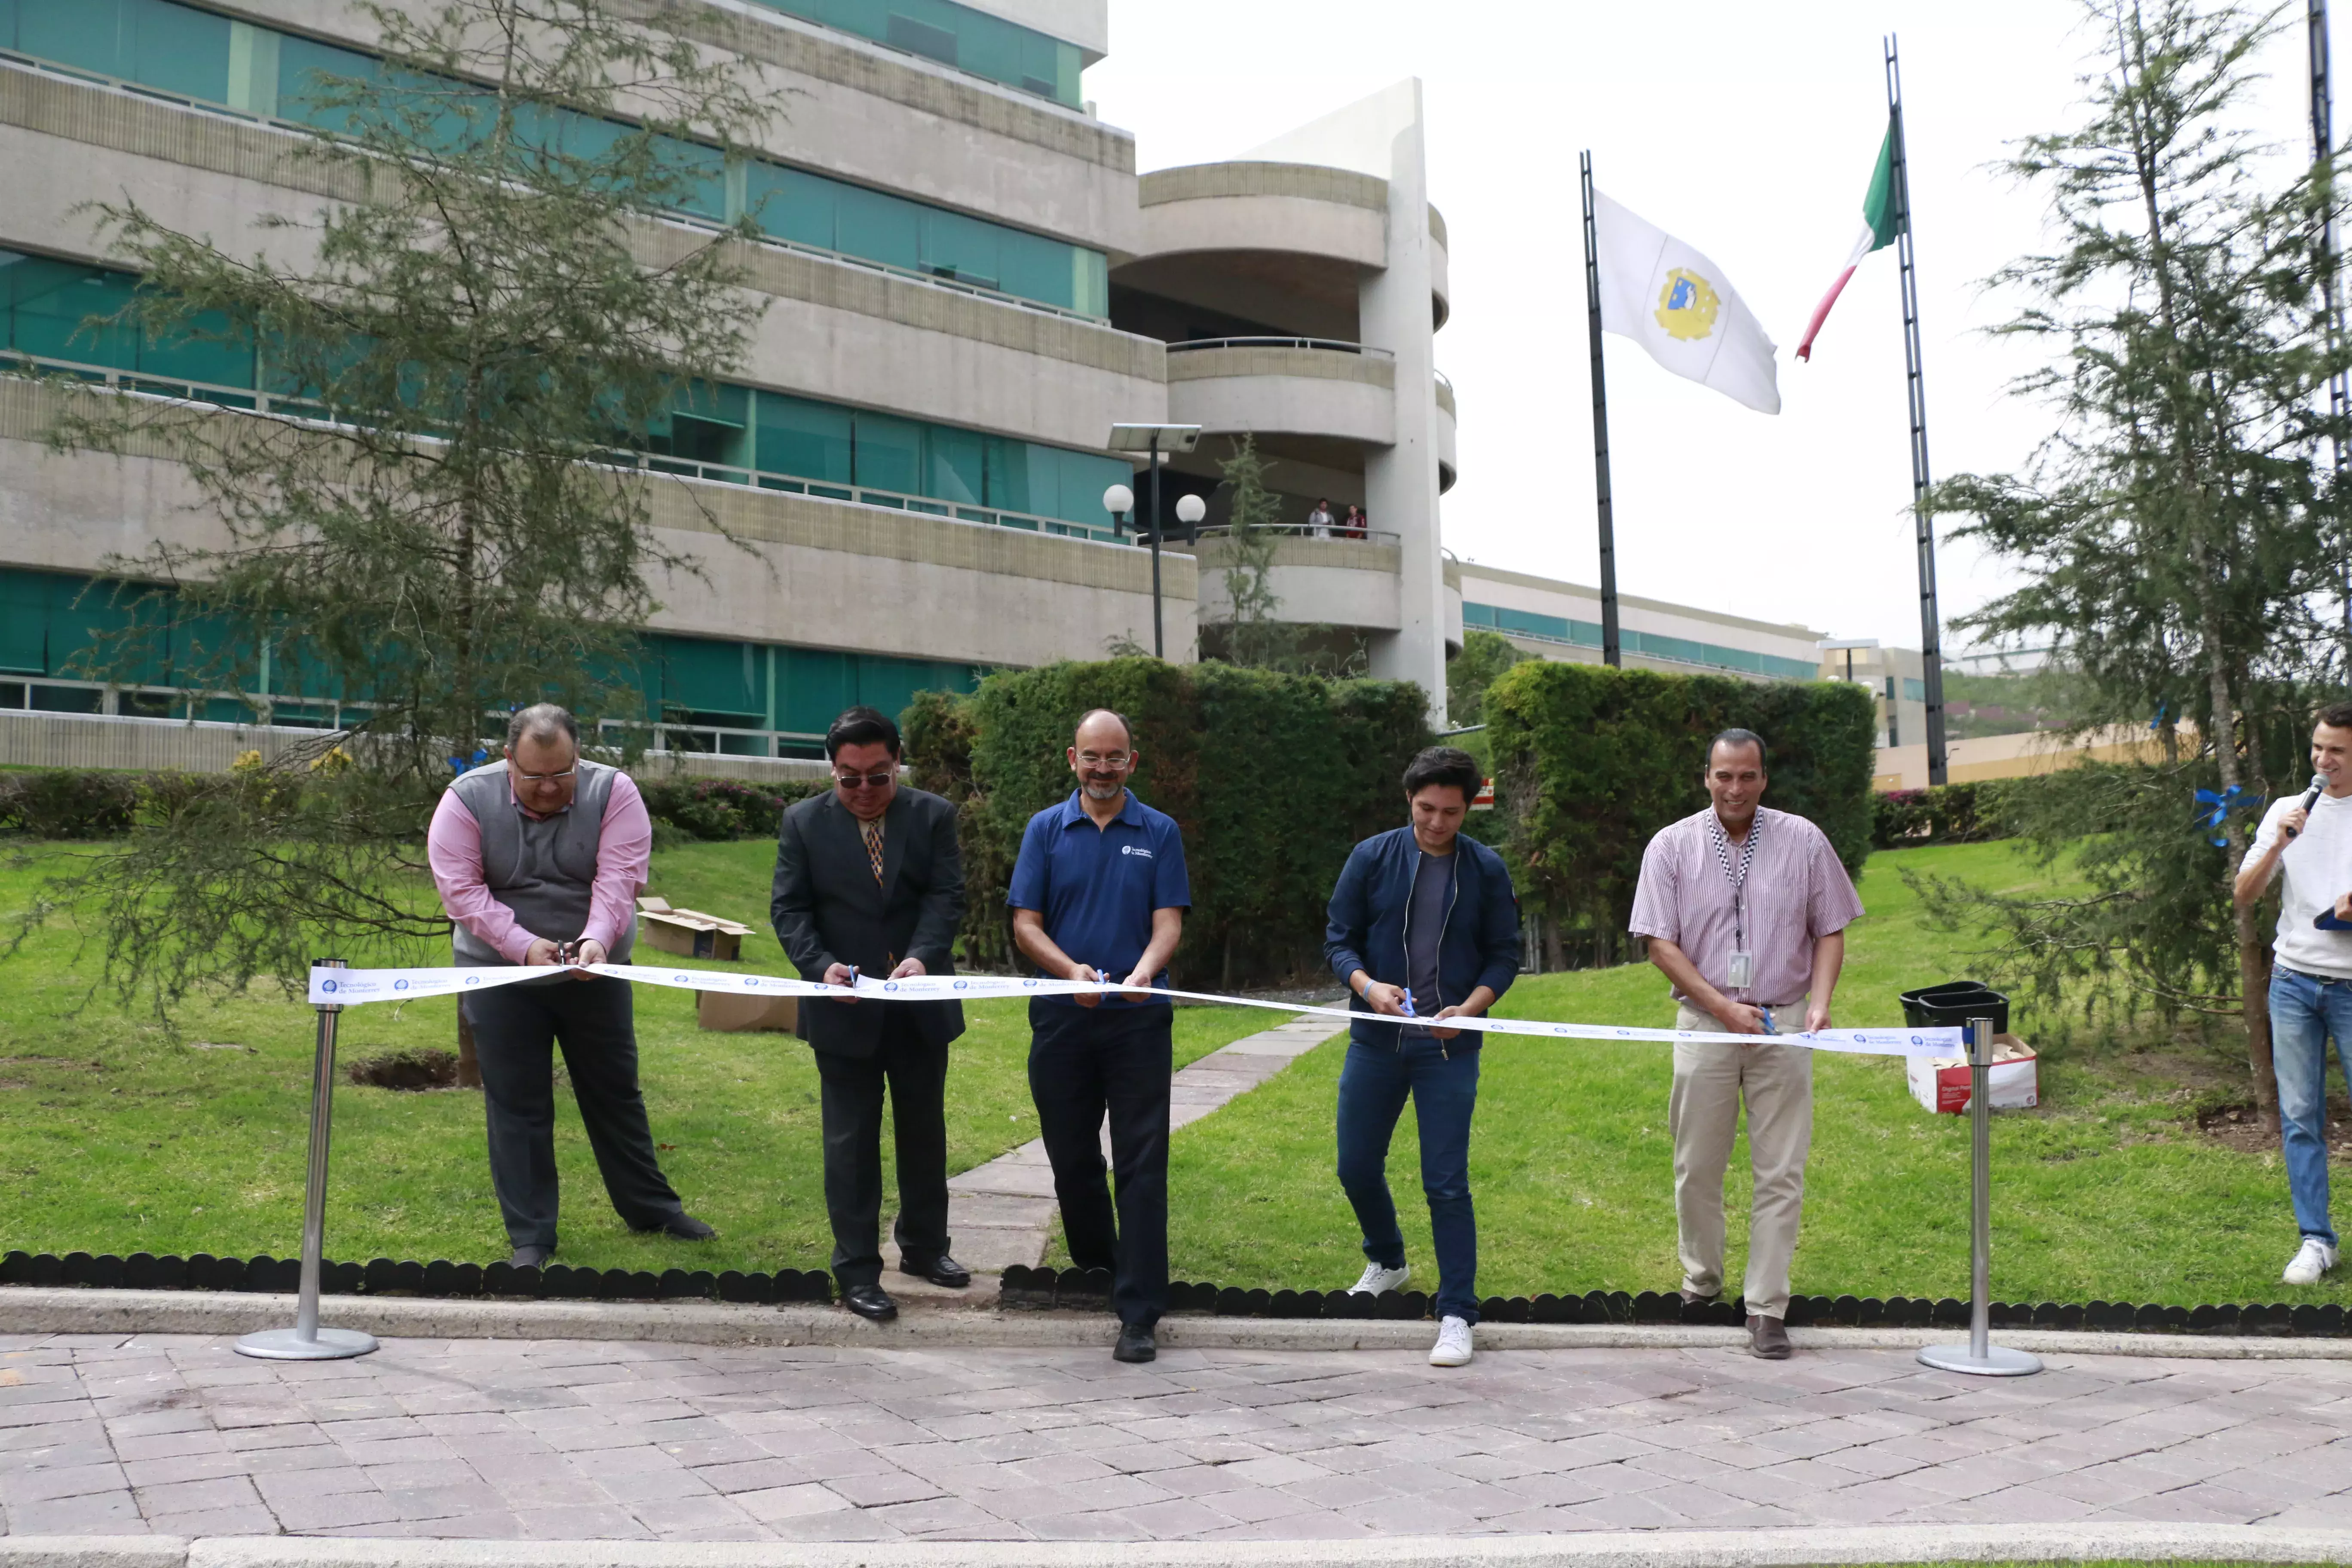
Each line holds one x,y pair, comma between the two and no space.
1105,729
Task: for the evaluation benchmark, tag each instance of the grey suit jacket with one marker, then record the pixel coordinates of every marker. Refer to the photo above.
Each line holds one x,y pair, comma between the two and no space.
828,909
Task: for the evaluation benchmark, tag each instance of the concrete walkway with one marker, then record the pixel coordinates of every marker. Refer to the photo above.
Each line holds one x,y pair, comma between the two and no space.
1001,1212
564,1440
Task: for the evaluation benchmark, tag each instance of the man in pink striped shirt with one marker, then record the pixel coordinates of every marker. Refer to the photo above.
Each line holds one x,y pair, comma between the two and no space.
541,851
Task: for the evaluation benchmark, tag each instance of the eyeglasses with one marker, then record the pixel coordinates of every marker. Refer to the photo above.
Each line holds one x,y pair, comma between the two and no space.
547,778
1112,761
862,781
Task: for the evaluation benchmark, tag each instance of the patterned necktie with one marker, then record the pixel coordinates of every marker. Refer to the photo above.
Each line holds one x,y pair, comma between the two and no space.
872,833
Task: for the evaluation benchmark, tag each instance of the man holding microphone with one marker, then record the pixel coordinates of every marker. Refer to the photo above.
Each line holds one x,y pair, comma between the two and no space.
1745,911
2308,840
538,858
1099,892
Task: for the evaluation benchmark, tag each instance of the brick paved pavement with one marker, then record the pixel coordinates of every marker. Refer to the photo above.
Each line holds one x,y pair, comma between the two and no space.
575,1439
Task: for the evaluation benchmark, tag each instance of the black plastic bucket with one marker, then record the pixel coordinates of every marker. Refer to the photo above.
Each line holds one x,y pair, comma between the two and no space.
1953,1004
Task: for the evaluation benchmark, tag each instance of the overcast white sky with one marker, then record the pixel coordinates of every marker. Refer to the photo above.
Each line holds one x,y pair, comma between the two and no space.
1746,131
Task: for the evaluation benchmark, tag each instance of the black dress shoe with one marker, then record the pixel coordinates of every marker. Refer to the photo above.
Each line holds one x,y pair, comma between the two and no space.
1136,1342
942,1270
869,1302
530,1257
1692,1299
679,1227
1768,1338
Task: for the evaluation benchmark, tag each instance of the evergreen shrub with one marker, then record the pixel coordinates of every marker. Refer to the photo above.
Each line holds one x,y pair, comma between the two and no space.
69,802
1591,762
1272,777
1944,813
719,808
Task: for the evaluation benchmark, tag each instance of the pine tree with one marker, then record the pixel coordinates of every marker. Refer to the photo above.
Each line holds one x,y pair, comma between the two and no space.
2178,532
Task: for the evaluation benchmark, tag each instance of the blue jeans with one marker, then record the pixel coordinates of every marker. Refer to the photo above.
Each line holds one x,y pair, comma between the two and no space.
2305,1011
1444,1084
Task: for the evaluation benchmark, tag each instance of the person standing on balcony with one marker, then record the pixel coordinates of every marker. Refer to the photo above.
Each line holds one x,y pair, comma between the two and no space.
1745,911
538,858
2308,839
1422,923
1098,893
1357,524
1318,522
869,880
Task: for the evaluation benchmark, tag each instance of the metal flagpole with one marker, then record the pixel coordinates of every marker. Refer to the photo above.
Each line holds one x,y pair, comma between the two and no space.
2322,158
1610,653
1931,654
306,1341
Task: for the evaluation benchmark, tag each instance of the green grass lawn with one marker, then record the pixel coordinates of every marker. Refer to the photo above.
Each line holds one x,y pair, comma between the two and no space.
116,1137
2107,1191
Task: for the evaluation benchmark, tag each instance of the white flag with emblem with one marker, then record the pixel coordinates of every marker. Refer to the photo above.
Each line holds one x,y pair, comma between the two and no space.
1679,306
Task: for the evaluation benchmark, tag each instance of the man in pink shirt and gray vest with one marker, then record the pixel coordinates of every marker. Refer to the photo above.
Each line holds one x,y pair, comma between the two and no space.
535,854
1746,911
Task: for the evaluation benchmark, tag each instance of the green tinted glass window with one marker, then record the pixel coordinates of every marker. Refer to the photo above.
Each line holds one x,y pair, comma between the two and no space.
1085,476
988,47
178,50
877,228
791,205
48,302
958,466
807,440
814,686
889,453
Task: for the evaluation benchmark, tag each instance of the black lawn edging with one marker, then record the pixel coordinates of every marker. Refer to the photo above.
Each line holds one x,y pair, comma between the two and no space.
1089,1291
383,1277
1036,1287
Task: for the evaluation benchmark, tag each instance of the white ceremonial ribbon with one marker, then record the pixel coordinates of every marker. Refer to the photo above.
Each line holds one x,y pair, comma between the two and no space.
352,987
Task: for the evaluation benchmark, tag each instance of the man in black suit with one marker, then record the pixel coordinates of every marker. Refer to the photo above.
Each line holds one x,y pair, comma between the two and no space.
869,880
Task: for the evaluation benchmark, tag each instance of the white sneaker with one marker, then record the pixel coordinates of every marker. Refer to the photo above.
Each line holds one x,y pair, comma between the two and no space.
2312,1259
1453,1346
1377,1279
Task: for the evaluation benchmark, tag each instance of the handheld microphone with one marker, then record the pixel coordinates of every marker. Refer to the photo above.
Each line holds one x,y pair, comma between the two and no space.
2318,786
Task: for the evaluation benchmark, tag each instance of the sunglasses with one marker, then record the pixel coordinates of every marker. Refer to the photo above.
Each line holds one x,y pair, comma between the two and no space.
863,781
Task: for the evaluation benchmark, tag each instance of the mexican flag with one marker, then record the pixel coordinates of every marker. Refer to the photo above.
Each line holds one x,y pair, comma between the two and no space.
1880,225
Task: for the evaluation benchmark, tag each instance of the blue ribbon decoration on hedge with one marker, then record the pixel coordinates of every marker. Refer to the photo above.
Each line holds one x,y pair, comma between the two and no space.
461,764
2219,805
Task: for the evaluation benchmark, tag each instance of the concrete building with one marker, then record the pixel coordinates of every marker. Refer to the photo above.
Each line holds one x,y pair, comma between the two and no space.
967,286
1895,678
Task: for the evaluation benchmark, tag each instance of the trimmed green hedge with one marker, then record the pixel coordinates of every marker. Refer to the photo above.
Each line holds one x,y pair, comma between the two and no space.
96,802
1272,777
1591,762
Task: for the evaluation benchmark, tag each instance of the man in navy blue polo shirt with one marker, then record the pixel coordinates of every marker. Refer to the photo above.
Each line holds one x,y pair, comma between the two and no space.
1100,893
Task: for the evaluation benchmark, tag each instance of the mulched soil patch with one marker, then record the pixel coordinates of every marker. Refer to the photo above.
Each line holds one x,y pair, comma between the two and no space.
407,1070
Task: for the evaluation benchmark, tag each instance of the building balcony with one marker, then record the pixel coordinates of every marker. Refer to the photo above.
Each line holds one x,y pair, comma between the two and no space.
1235,237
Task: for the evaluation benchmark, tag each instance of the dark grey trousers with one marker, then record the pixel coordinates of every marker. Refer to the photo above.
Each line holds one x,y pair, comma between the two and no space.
916,1074
594,1021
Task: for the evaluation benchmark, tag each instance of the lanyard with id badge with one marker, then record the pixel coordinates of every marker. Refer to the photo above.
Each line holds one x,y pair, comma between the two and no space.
1743,958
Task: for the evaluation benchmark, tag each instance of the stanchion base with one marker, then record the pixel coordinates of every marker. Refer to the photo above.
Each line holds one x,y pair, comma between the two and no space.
287,1344
1997,1361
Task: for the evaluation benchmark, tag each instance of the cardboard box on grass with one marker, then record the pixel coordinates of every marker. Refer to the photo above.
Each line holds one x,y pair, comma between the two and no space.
1941,1083
690,934
725,1010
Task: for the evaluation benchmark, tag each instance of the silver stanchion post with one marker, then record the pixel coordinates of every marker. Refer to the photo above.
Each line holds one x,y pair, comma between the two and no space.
306,1341
1981,1356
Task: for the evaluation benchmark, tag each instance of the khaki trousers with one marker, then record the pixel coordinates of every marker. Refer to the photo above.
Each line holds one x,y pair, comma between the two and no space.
1710,1081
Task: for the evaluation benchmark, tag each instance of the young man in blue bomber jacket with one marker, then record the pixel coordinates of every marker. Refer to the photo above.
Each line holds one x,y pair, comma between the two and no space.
1424,924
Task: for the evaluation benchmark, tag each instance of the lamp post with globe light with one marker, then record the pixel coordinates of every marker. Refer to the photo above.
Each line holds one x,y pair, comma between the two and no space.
1120,501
